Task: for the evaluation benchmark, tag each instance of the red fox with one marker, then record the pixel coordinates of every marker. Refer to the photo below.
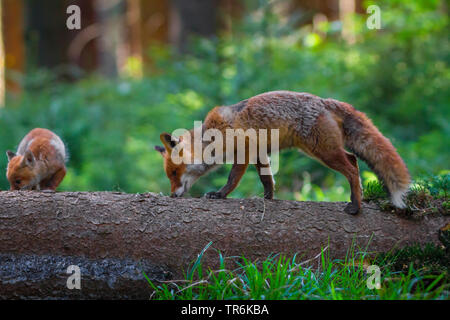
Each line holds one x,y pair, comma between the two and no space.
321,128
39,163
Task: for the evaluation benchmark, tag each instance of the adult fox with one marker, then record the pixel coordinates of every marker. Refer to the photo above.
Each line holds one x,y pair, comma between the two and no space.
321,128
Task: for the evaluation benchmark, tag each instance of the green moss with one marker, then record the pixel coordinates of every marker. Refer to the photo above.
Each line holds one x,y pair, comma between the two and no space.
374,190
427,195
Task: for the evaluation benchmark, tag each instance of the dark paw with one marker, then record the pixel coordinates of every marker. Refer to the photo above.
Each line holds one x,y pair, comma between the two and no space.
268,196
352,209
213,195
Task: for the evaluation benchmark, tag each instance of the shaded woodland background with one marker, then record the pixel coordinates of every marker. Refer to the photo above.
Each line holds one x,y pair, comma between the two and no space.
137,68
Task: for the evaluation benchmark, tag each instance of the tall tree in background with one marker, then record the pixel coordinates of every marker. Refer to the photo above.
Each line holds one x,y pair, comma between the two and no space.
194,17
116,32
112,48
346,9
13,60
48,39
2,61
46,33
147,24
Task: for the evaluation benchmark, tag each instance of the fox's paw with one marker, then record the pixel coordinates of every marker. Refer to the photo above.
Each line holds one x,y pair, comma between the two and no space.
352,209
268,195
214,195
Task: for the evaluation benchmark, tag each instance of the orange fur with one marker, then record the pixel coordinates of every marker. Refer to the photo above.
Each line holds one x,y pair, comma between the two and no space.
321,128
39,162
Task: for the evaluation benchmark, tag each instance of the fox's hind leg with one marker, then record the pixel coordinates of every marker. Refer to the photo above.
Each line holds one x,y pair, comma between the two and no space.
355,186
346,163
265,175
53,182
327,146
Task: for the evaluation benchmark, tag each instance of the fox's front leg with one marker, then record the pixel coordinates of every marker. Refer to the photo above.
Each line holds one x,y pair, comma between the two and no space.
237,171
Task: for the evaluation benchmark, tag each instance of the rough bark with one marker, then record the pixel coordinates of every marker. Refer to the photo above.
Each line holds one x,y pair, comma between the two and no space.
113,237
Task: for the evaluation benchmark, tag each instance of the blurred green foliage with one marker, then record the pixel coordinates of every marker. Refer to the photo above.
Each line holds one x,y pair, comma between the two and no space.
398,75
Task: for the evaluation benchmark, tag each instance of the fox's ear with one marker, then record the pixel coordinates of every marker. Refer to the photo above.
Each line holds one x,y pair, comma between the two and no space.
28,159
160,149
168,141
10,155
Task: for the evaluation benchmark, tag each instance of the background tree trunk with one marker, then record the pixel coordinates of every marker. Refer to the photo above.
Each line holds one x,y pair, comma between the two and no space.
50,44
2,61
13,44
113,237
195,17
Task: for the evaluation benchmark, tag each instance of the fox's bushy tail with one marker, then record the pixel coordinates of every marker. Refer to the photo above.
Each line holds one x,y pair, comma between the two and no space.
367,142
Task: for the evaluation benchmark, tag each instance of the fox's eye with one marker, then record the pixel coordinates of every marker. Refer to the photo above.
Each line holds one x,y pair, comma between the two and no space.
18,181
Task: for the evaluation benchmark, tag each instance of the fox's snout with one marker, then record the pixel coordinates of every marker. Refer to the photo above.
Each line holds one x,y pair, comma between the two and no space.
23,188
180,191
176,195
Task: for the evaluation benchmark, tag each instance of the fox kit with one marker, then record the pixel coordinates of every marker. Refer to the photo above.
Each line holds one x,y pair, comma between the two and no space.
39,163
321,128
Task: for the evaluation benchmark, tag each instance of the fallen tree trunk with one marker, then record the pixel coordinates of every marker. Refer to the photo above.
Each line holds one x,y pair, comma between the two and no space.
113,237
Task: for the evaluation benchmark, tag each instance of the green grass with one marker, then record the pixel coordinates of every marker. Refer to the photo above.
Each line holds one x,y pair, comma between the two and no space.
412,273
